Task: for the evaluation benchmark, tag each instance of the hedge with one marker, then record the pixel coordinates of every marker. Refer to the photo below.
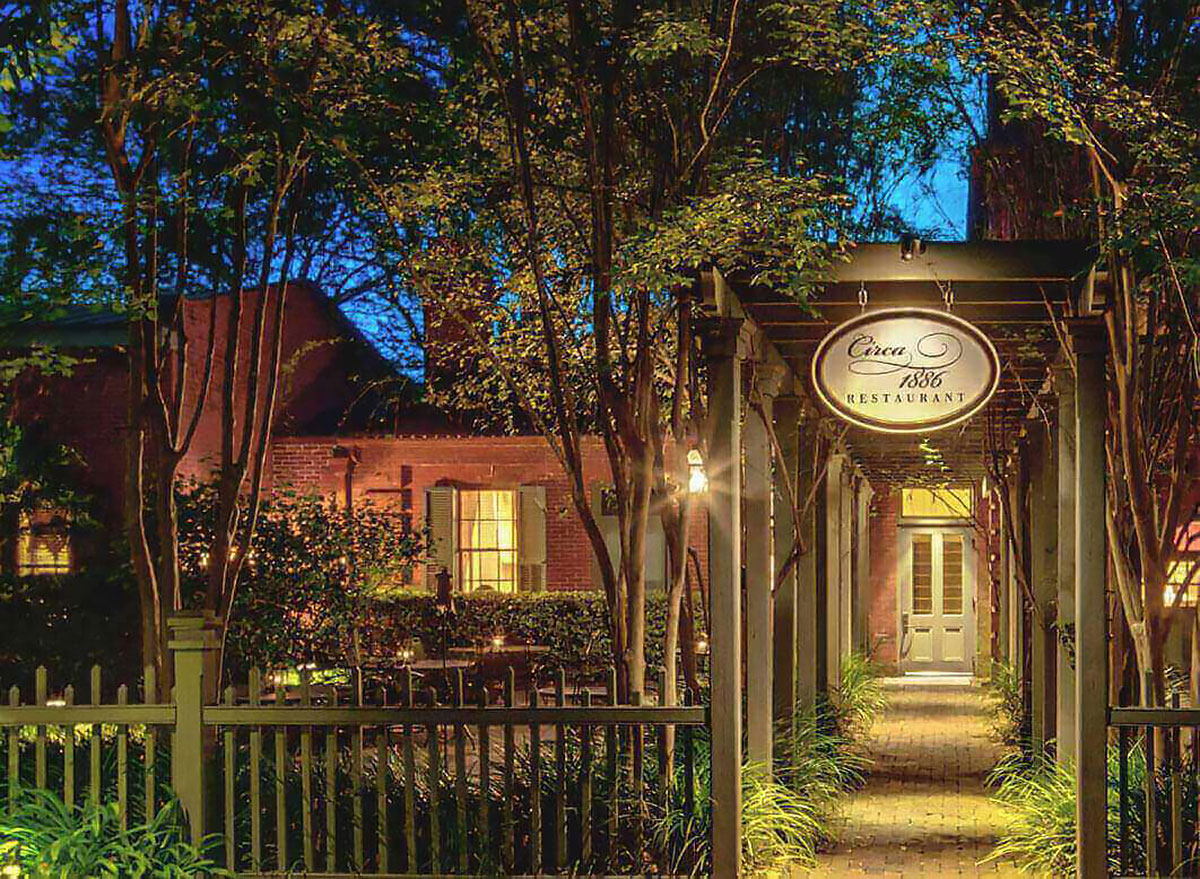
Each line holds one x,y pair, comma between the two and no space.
574,625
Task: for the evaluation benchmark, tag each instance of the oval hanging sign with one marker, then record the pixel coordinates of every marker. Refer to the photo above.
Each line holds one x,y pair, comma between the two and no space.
905,370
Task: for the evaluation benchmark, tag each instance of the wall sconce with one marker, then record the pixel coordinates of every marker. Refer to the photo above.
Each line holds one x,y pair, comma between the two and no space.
697,478
911,247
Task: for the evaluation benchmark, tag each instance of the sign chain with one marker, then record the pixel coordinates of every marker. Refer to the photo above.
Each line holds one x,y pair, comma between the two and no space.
862,295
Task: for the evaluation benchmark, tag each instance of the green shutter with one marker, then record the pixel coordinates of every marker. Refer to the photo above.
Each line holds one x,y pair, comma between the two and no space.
440,519
531,545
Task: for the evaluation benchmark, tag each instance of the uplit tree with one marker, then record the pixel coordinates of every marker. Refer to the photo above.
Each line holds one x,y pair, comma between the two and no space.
193,147
1123,100
600,157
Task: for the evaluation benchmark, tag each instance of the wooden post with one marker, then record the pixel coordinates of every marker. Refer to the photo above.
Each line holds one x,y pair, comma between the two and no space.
193,636
723,348
759,570
845,563
786,629
1091,667
862,566
1043,567
1005,639
833,570
807,630
1064,384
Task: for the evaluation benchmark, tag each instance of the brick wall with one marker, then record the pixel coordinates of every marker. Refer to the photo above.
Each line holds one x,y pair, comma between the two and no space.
883,620
394,472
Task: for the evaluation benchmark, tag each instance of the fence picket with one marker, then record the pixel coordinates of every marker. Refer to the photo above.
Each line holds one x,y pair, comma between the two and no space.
536,864
638,748
508,829
485,785
69,752
39,748
410,778
123,762
1176,793
306,817
665,739
331,767
560,782
280,739
14,752
612,745
230,746
585,786
150,744
356,785
255,687
1151,795
94,745
381,796
434,779
460,776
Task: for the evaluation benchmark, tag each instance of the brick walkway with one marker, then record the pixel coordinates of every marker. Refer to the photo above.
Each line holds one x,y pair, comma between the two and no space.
924,810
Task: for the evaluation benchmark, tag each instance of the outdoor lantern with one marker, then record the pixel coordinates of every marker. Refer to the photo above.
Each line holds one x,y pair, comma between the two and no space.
697,478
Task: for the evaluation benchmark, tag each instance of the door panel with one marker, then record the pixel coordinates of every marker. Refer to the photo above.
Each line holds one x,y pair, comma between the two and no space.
937,587
922,644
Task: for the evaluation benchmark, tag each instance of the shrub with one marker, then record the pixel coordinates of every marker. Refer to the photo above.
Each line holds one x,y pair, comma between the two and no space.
1008,706
311,571
1037,795
819,756
47,838
574,625
859,699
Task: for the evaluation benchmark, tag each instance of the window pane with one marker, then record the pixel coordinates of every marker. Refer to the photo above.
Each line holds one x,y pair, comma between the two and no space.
488,540
922,574
952,574
937,503
44,543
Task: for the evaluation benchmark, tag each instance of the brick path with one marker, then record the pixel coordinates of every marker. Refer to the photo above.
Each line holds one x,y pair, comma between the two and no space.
924,810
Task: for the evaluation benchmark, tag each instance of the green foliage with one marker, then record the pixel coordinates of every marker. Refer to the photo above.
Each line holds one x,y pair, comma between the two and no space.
311,571
1039,801
1008,706
859,698
51,840
819,756
1038,798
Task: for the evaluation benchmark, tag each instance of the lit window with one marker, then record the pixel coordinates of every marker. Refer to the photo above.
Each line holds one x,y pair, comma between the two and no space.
952,502
487,541
44,543
1182,573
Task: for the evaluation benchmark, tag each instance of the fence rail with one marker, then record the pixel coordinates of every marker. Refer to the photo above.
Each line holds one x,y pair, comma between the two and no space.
333,789
1157,790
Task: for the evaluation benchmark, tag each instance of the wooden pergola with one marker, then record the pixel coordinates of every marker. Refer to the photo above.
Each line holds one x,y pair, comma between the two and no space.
1032,299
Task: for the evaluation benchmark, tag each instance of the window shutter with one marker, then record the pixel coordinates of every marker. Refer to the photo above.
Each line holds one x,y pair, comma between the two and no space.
531,548
440,520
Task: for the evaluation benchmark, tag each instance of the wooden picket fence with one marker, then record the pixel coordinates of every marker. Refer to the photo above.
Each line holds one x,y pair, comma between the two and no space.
1158,813
297,781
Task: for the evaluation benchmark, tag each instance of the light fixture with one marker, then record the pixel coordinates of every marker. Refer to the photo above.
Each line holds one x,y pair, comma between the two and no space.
697,478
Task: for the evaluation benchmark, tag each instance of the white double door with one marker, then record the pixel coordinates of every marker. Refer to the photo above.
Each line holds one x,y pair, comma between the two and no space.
937,596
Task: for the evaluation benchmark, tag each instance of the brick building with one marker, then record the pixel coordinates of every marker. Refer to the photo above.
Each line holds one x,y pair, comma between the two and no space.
498,508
